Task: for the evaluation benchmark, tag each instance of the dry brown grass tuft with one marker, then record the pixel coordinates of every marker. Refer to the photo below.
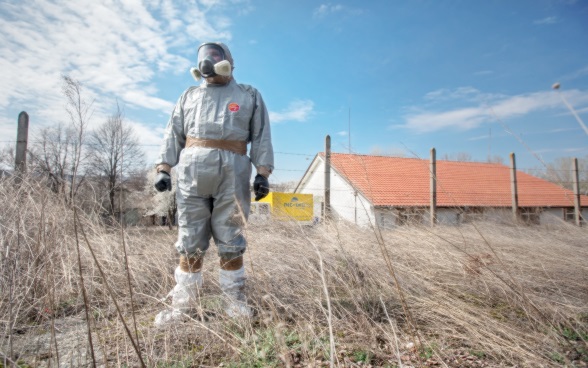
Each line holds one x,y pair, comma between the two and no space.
480,295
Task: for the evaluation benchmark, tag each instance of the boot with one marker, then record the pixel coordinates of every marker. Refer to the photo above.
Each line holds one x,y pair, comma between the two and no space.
232,283
184,295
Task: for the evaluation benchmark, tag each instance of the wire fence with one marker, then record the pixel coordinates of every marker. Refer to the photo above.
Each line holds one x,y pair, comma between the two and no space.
558,175
492,185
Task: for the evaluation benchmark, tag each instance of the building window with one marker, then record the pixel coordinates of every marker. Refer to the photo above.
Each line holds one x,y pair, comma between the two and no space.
569,215
409,216
385,219
531,216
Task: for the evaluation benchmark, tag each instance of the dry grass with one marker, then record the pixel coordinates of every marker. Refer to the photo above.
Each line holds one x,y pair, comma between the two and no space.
480,295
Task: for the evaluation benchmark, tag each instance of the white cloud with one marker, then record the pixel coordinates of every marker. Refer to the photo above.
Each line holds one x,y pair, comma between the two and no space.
486,108
560,150
116,49
461,94
299,110
576,74
464,119
445,94
484,72
343,133
327,9
545,21
480,137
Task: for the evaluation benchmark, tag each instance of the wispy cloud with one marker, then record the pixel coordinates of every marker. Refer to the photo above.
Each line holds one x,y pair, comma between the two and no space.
576,74
461,94
479,138
485,108
116,48
325,10
463,119
343,133
560,150
299,110
534,132
546,21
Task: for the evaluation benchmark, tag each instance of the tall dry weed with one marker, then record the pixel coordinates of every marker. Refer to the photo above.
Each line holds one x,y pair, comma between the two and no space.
480,294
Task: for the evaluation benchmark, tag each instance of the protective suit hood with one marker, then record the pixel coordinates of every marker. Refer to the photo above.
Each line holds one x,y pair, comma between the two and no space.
214,58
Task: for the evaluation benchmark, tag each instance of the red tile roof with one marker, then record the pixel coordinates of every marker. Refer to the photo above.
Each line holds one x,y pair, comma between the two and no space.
398,181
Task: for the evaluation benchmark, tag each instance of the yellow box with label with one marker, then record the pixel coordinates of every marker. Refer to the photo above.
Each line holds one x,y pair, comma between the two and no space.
290,206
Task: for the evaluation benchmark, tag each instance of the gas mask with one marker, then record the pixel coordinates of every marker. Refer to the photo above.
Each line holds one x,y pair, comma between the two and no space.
212,61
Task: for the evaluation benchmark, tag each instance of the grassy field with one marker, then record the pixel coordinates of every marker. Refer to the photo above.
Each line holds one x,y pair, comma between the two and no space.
476,295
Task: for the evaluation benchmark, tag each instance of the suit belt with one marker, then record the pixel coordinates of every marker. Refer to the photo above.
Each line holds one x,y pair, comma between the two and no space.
239,147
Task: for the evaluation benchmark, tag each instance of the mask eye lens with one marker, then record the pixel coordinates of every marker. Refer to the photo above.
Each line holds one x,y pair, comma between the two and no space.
215,55
211,52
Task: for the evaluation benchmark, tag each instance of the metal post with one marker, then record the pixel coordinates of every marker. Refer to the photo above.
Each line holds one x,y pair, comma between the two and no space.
327,210
513,188
433,193
577,207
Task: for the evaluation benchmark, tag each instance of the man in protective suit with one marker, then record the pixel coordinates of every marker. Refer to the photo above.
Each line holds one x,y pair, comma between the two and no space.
206,140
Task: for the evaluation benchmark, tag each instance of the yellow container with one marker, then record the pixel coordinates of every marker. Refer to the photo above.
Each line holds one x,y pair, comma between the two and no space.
290,206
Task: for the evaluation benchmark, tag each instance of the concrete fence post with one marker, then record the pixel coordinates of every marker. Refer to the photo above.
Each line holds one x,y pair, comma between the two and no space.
20,161
513,188
577,204
433,186
327,209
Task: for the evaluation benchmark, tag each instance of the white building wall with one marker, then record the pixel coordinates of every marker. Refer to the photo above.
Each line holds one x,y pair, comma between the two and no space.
314,185
498,215
348,204
354,208
447,216
551,216
385,218
345,204
555,215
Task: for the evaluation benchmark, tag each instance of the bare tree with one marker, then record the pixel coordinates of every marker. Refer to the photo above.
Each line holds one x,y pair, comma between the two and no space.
51,154
56,152
284,187
496,159
79,111
389,151
115,154
7,158
460,156
559,171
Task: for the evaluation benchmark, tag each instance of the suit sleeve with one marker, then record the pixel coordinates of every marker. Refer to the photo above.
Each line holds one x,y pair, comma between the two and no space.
174,137
262,152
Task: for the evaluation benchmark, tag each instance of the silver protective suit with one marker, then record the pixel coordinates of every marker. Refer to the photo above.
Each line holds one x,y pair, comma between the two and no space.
213,194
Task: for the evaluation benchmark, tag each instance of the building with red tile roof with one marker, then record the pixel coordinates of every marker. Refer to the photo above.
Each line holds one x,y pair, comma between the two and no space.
394,190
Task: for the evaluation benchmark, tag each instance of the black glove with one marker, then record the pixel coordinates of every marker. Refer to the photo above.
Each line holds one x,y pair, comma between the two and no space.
260,187
163,181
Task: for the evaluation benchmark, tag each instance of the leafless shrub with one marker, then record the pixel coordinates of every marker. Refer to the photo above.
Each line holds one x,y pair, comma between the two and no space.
523,302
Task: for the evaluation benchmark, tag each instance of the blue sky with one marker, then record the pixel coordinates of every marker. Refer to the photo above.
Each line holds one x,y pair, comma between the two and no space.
407,75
